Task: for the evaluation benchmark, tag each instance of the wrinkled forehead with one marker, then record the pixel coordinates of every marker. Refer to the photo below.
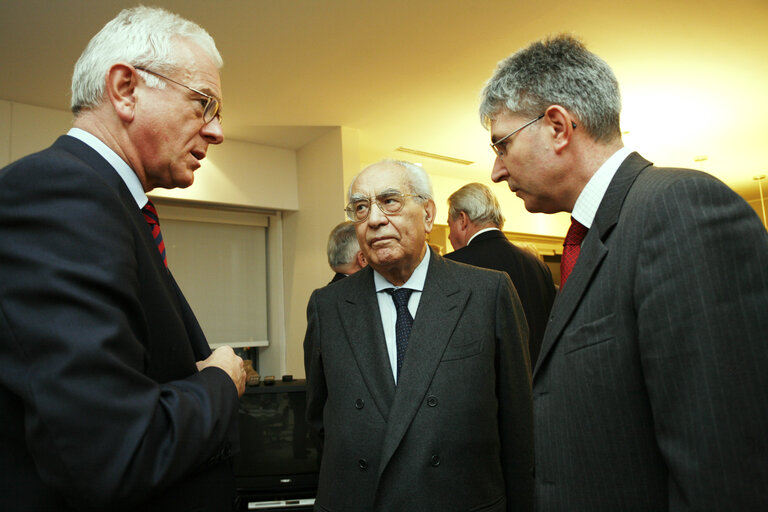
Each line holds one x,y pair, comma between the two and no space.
378,179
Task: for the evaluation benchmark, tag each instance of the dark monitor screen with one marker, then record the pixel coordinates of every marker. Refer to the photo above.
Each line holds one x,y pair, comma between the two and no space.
279,457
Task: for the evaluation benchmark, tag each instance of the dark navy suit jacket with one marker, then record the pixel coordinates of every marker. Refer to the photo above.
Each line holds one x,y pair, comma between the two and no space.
101,402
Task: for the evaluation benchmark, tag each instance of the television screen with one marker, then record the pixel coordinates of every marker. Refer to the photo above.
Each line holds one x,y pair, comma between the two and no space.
279,458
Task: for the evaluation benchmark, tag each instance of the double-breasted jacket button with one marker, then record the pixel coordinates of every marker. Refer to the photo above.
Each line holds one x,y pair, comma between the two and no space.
362,464
359,403
432,401
434,460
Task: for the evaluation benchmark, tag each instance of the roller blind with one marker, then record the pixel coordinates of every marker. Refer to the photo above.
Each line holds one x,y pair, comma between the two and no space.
219,260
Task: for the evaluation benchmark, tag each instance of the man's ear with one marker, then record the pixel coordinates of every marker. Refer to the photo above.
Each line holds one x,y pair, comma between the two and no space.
120,87
429,215
562,124
361,261
463,220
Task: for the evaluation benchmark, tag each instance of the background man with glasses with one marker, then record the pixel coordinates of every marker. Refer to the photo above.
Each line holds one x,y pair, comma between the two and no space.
109,394
417,367
651,388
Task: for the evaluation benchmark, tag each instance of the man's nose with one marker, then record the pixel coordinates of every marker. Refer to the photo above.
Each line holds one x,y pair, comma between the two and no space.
499,172
376,216
213,131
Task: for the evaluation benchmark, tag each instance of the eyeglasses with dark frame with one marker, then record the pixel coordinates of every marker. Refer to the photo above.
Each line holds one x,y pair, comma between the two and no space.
390,203
499,146
211,106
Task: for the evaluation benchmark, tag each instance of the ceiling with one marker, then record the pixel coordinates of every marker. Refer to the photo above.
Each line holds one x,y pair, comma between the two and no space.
408,73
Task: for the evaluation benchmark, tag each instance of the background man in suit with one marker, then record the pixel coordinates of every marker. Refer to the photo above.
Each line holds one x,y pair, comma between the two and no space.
447,424
344,254
651,388
109,394
475,221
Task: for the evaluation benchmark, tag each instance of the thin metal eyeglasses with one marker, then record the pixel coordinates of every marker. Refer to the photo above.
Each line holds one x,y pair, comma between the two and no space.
500,145
389,203
210,106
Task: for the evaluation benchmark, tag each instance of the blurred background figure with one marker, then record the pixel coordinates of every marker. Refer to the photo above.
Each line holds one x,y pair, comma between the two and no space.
344,254
475,222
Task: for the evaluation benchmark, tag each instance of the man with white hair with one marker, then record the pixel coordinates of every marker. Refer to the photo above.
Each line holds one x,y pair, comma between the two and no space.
417,368
475,221
109,394
344,254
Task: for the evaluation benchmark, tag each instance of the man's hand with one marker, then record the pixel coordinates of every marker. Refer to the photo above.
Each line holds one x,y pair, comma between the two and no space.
226,359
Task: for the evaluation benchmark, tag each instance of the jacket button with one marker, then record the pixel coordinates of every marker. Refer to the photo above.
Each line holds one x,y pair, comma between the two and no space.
432,401
359,403
363,464
435,460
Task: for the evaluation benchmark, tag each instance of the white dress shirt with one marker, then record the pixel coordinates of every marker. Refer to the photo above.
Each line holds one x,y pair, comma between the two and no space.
387,305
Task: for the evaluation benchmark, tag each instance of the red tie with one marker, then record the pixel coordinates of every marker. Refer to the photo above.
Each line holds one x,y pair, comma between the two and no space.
571,249
150,215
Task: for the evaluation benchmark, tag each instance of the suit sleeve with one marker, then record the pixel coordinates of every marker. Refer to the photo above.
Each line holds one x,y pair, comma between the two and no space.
71,350
701,294
514,396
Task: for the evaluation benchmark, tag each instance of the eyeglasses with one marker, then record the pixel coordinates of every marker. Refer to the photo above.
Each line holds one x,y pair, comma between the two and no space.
500,145
210,104
389,203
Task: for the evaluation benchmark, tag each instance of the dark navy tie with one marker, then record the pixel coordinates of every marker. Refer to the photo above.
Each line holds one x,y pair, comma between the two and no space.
404,322
150,215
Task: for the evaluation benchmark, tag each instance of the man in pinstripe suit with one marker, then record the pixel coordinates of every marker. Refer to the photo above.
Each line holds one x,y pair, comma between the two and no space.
651,388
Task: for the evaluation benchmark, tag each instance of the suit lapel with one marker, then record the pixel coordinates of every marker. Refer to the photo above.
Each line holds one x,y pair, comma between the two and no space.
441,305
593,252
361,319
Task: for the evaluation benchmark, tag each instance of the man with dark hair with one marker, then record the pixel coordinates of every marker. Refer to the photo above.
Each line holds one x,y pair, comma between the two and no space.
417,368
110,396
475,221
651,388
344,254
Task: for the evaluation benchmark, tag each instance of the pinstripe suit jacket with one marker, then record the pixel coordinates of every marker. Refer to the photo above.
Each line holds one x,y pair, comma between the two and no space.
455,433
651,390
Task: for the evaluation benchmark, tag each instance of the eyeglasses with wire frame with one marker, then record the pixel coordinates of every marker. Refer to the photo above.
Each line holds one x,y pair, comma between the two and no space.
390,203
210,104
500,145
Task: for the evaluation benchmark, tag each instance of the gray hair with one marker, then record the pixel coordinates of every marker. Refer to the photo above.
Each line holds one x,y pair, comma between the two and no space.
342,244
417,178
140,36
478,202
556,71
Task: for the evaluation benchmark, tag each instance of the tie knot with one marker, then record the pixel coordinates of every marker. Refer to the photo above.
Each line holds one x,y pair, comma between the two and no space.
150,213
400,296
576,233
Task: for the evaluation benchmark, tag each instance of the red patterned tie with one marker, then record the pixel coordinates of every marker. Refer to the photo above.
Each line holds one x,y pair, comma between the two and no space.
571,249
150,214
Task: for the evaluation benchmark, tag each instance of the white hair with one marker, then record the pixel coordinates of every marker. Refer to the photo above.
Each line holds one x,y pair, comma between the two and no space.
140,36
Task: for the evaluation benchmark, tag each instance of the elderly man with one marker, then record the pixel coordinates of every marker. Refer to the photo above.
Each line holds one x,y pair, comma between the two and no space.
417,368
650,392
109,394
475,221
344,254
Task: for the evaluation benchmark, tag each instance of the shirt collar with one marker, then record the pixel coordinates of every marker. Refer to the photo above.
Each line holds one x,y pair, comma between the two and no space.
415,282
480,232
589,200
117,163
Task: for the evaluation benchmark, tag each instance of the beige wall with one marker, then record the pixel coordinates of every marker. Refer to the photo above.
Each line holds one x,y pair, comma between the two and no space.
323,166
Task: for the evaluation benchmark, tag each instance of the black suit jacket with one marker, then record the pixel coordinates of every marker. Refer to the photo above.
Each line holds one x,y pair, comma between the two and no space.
337,277
102,405
455,433
531,277
651,390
